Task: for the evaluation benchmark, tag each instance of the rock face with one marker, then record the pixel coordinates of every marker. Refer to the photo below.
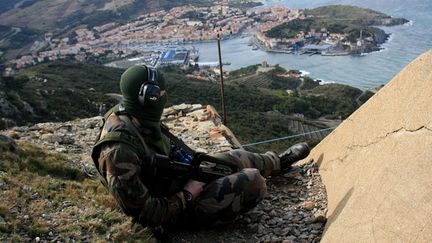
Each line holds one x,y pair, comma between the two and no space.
376,165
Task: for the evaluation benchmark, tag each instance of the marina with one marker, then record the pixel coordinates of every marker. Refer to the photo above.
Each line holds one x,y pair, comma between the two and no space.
362,71
160,56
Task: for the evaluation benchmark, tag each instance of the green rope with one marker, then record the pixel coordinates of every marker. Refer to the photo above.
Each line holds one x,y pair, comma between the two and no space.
288,137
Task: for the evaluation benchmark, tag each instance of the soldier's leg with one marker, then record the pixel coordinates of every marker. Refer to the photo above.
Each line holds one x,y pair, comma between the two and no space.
266,163
225,198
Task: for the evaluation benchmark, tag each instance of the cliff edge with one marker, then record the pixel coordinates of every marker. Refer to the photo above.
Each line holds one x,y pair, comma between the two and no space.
376,165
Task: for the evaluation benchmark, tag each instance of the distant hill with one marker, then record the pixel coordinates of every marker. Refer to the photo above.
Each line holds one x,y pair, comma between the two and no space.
61,92
353,15
56,92
24,21
15,41
53,14
343,19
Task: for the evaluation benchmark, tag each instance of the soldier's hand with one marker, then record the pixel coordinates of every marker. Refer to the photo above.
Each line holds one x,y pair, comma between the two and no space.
194,187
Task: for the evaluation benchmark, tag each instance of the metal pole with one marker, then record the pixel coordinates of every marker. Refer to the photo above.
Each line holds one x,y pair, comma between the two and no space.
222,81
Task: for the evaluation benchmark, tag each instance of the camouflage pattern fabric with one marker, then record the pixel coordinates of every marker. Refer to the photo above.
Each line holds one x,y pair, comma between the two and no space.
124,167
267,163
225,198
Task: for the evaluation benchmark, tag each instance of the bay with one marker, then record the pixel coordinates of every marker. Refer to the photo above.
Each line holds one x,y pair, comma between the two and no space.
374,69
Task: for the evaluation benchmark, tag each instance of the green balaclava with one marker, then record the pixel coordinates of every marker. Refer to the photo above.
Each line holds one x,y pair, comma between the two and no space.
150,114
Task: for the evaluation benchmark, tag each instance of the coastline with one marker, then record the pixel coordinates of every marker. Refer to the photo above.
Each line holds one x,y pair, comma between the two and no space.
315,32
373,69
377,47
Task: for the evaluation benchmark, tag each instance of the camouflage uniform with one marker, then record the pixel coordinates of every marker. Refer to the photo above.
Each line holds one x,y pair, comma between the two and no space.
124,166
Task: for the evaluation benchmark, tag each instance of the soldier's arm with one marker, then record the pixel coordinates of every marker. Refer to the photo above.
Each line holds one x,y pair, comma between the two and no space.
120,166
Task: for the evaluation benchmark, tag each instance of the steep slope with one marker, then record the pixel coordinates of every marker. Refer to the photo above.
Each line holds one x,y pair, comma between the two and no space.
47,195
41,93
51,14
23,22
376,165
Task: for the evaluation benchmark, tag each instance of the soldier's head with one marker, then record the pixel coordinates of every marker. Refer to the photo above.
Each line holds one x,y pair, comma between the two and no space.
143,91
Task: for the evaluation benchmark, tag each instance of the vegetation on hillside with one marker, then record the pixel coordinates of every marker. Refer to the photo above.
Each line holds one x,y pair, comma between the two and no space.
247,104
244,71
58,92
291,28
88,12
61,91
338,19
61,17
14,39
42,195
351,14
6,5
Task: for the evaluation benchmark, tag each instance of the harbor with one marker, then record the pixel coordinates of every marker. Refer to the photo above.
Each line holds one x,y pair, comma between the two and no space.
160,55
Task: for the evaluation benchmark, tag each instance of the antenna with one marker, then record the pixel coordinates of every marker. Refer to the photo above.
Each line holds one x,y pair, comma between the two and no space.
219,35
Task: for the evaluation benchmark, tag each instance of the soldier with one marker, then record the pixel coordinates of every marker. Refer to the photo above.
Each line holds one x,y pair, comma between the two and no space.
125,154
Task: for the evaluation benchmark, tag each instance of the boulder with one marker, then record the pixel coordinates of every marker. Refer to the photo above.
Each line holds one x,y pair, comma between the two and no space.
377,164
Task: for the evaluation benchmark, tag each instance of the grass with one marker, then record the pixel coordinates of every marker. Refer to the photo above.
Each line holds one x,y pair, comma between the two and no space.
35,160
44,194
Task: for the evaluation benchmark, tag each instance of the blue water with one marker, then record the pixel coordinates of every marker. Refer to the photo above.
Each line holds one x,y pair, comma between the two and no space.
406,43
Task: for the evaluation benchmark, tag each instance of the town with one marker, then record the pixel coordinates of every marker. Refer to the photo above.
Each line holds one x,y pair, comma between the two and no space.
157,38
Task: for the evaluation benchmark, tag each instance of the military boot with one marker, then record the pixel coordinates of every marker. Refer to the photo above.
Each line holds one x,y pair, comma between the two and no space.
293,154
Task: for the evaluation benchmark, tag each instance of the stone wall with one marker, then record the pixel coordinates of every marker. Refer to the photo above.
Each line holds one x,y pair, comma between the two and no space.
377,164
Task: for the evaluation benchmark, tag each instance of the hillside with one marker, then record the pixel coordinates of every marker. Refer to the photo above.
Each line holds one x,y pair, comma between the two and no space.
60,199
376,190
28,20
14,40
354,14
337,19
58,14
340,19
43,196
41,93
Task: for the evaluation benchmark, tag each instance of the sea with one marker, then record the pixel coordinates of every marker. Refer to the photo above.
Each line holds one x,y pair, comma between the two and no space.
406,42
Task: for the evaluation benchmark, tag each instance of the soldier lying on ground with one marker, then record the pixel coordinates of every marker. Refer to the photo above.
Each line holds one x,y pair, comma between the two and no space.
125,152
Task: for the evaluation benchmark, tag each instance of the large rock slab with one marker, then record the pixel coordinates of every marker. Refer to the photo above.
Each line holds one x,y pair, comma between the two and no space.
377,164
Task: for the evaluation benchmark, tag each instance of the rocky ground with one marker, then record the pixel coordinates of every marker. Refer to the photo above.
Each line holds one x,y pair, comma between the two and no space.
293,211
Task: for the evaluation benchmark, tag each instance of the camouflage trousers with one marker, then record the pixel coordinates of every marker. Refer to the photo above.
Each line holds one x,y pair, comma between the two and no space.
226,198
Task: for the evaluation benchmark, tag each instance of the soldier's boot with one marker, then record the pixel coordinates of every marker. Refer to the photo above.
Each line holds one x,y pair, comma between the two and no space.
293,154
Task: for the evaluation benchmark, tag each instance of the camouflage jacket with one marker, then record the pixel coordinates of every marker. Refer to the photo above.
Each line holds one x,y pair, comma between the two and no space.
124,166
